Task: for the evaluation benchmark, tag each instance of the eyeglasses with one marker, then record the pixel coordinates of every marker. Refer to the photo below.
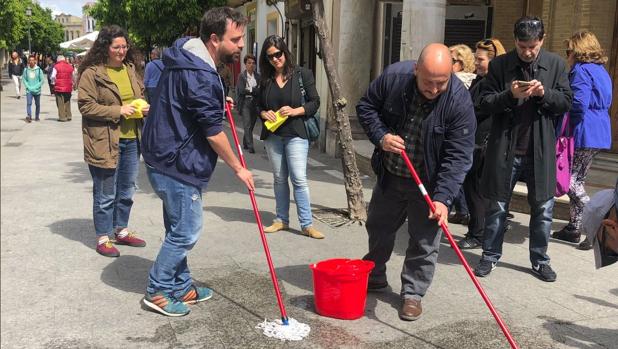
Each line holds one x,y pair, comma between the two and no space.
276,55
568,52
455,61
118,48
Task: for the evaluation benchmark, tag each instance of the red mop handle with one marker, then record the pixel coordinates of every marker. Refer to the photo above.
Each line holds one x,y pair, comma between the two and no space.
256,212
444,227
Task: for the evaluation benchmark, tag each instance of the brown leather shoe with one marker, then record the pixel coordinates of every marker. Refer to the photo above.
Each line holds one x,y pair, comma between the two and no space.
275,227
313,233
410,310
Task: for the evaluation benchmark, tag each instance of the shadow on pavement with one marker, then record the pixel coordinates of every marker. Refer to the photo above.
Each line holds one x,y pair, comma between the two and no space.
76,229
233,214
599,302
578,336
127,273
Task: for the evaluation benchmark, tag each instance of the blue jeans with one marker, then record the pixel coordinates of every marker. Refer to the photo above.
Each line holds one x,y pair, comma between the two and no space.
540,218
182,217
37,103
113,189
288,156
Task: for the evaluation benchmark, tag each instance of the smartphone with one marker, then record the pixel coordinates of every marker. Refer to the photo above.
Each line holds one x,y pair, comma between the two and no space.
523,83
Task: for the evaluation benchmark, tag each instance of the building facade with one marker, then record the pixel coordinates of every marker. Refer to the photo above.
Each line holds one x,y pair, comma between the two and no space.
72,26
88,23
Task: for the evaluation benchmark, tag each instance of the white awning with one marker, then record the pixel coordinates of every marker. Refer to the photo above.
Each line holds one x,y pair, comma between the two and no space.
81,43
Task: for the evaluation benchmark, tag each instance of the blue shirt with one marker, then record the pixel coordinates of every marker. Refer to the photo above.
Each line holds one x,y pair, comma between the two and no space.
153,73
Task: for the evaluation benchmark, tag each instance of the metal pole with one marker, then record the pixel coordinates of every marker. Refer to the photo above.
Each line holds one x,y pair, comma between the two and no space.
29,14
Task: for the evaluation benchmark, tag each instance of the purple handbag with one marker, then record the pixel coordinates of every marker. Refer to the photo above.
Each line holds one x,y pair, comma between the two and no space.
565,148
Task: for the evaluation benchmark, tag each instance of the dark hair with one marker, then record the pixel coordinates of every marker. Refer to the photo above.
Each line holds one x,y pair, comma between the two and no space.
529,28
247,57
32,56
98,54
267,71
215,20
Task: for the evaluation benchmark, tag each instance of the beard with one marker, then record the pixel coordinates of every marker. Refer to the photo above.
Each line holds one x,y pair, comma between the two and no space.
227,57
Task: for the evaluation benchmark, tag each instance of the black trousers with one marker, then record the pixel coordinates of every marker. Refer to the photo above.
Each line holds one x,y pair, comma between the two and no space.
472,190
399,198
248,115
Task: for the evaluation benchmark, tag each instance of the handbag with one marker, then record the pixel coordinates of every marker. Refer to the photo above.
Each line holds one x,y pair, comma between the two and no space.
565,148
312,122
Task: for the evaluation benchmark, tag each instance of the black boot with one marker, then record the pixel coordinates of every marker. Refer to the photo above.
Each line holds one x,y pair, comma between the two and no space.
566,234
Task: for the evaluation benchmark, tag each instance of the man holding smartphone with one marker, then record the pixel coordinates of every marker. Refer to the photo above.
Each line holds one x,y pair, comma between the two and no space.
525,90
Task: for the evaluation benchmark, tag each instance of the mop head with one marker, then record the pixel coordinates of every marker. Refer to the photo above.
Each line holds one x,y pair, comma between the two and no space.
293,331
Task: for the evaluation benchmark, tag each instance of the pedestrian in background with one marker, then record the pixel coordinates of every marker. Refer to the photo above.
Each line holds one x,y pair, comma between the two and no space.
523,90
16,70
62,78
422,109
590,123
49,68
463,63
152,73
111,135
226,76
288,146
33,78
183,137
486,51
246,94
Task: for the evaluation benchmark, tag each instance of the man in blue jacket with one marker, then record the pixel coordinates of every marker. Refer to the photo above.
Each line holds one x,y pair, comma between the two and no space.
182,138
423,109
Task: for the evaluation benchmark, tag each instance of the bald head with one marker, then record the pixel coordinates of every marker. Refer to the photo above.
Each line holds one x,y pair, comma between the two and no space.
433,70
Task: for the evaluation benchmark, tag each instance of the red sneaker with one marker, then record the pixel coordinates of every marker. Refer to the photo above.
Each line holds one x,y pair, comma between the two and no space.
107,249
131,240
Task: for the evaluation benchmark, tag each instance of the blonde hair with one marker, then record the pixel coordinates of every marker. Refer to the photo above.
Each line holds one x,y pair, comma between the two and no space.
464,54
586,48
493,47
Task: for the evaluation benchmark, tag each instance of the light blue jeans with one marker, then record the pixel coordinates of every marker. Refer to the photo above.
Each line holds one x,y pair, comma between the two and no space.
182,217
288,156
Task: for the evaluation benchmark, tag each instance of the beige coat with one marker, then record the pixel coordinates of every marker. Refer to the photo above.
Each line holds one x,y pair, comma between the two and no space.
99,103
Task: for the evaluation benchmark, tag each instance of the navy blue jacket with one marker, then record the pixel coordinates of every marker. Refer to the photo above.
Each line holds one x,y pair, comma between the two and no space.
447,132
187,108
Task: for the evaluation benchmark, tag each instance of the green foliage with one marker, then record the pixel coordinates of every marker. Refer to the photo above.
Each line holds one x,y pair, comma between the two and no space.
12,22
153,22
45,33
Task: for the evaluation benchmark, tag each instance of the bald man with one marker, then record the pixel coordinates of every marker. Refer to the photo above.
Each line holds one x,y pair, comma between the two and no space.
419,107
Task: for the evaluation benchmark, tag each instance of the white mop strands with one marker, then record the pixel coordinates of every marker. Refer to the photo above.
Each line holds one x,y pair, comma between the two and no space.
293,331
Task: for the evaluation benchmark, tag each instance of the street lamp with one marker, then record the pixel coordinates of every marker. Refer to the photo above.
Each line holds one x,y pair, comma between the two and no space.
29,14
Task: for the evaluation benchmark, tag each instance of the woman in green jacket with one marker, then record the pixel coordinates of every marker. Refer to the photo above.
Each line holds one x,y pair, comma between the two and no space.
33,80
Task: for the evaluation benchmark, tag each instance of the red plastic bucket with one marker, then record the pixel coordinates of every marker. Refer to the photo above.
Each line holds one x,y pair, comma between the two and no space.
340,287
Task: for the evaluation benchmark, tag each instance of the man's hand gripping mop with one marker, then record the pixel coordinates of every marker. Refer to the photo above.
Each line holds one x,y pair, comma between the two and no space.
286,328
444,227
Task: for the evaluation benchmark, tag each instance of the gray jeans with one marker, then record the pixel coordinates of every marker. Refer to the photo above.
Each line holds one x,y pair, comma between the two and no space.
390,205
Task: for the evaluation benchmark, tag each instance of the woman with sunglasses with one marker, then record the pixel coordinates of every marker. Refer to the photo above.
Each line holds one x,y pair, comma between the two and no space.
107,86
590,123
281,94
486,50
463,63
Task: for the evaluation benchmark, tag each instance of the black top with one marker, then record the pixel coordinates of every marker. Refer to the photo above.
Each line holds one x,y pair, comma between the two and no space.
526,112
290,95
16,69
280,97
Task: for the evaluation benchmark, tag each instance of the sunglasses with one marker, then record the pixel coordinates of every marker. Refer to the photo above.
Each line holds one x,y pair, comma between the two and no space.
118,48
488,43
455,61
276,55
533,23
568,52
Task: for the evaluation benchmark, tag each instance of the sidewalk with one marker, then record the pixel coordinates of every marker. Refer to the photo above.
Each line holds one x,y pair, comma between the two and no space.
56,292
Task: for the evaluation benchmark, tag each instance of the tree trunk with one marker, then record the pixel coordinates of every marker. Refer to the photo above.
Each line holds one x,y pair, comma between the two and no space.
353,184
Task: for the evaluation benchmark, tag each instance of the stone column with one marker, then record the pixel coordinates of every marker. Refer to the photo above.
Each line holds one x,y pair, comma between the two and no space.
422,23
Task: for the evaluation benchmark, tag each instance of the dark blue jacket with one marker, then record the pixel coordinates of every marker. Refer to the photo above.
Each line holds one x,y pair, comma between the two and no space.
188,107
592,97
447,132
